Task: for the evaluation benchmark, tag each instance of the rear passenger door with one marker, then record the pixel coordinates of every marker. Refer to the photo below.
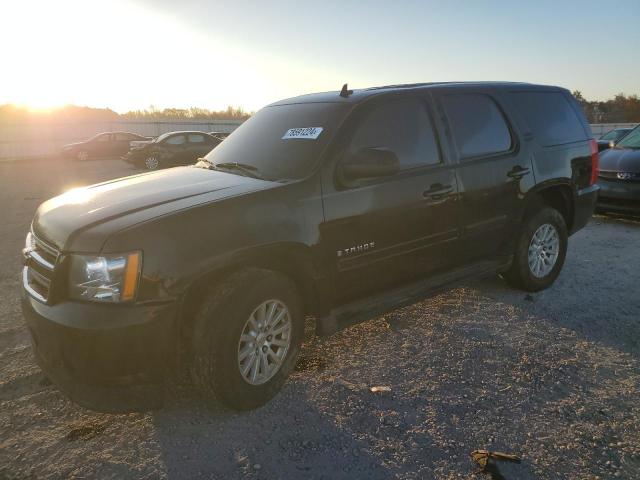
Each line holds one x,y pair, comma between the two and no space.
386,231
494,169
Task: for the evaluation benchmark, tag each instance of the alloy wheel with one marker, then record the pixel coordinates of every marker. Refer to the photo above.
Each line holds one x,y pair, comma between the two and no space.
544,250
151,163
264,342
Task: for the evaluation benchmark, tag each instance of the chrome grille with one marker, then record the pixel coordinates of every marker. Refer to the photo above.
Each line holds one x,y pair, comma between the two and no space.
619,176
37,275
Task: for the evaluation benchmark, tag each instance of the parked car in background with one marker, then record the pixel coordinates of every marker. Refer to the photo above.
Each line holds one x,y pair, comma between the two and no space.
609,139
108,144
171,149
619,177
338,206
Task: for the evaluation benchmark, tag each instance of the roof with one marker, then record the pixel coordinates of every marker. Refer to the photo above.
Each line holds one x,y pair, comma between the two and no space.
361,94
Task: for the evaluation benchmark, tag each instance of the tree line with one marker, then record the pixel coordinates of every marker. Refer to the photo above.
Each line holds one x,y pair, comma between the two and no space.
71,113
619,109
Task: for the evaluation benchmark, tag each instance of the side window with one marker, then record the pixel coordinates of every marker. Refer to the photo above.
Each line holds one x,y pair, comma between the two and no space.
404,127
124,137
478,126
103,138
550,117
176,140
193,138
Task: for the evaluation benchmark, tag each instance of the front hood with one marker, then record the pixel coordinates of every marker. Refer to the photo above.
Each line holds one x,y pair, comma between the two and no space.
140,143
72,145
67,215
620,160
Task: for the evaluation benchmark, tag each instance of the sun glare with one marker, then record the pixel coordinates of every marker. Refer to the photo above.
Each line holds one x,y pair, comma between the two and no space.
97,54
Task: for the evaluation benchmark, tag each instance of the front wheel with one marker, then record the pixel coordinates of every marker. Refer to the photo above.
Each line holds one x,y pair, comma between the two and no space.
540,252
246,338
151,162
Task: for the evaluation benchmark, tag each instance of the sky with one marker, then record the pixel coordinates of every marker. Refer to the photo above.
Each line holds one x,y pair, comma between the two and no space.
131,54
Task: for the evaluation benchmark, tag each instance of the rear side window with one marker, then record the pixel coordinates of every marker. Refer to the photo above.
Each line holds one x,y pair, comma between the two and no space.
479,128
550,117
403,126
194,138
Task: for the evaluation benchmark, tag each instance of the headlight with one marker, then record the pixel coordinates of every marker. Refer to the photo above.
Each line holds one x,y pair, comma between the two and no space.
110,278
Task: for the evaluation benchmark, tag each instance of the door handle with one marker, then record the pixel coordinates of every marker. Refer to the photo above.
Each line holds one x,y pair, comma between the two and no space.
437,193
518,172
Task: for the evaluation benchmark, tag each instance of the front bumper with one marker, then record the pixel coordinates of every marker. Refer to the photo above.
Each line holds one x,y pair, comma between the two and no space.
619,195
585,203
108,358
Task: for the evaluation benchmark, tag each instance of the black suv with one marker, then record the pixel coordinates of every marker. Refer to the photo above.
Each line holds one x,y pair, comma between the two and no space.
337,206
171,149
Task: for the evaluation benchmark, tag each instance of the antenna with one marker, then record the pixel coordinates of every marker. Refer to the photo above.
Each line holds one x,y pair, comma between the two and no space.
345,92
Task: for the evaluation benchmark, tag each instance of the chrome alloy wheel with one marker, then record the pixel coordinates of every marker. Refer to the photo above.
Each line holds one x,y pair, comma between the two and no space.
83,155
151,163
543,250
264,342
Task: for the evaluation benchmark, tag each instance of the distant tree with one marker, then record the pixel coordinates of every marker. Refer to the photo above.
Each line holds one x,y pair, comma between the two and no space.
620,109
72,113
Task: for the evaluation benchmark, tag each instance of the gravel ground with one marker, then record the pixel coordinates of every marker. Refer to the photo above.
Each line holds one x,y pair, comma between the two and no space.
553,377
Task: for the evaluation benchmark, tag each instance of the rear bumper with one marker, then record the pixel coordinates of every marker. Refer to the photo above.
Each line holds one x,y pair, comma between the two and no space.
585,203
623,196
104,357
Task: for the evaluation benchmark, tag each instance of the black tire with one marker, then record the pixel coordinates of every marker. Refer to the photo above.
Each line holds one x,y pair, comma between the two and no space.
218,326
520,274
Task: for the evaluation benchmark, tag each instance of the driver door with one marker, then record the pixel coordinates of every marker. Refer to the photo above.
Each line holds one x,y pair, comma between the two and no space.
382,232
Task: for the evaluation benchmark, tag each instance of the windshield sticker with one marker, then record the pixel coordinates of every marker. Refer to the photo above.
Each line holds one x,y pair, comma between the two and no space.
310,133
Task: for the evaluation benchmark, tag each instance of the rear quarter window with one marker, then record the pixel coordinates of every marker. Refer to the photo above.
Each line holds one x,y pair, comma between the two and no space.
479,128
550,116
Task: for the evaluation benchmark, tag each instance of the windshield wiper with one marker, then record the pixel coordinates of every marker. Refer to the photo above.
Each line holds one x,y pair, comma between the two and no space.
248,170
243,168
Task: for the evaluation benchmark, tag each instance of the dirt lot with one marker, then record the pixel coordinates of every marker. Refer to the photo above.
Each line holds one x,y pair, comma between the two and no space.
554,377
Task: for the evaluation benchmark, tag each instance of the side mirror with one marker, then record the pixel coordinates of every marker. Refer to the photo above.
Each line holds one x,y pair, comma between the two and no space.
370,162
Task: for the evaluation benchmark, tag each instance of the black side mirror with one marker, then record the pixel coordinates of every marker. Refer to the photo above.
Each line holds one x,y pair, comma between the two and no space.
370,162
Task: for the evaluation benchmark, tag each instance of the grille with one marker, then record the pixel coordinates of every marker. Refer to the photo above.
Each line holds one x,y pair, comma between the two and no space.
619,176
39,269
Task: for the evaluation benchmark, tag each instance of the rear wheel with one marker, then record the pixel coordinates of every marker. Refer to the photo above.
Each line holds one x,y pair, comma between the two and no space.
83,155
246,338
540,251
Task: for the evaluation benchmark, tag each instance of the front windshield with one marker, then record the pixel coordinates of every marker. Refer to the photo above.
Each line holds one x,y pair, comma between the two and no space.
610,135
163,136
631,139
282,142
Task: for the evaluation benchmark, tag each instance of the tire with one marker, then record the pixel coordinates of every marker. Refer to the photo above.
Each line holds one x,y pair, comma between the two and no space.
543,269
152,162
83,155
221,324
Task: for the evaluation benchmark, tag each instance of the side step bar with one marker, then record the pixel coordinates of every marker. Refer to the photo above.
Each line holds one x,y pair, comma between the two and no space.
376,305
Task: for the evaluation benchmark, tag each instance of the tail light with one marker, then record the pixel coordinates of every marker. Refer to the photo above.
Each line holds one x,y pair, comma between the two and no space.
595,162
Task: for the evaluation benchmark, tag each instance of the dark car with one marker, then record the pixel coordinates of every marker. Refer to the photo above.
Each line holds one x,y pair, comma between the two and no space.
108,144
609,139
619,177
337,206
171,149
